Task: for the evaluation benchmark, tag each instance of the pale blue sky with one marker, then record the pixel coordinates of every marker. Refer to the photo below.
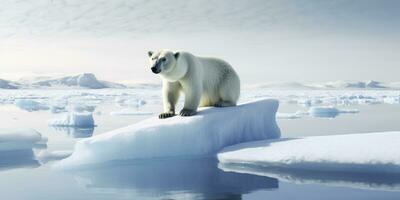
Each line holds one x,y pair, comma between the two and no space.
285,40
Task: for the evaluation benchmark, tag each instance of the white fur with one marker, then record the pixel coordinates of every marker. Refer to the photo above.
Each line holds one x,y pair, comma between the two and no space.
204,81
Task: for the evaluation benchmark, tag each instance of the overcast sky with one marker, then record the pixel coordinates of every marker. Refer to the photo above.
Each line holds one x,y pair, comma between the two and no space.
266,41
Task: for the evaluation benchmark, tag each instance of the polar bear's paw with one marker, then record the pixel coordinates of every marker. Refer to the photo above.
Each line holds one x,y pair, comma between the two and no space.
166,115
187,112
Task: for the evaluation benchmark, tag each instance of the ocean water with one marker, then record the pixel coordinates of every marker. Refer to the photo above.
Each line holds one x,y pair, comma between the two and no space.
23,177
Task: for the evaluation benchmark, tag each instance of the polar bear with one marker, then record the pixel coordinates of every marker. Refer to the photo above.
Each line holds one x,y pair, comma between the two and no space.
204,81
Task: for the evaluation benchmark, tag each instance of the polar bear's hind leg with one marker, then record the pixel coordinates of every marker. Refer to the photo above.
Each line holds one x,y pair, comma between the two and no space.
229,91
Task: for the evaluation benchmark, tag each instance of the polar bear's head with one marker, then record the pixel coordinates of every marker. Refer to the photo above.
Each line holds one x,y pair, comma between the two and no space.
165,63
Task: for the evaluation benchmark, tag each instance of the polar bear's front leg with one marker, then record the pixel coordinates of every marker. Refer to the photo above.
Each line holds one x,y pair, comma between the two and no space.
171,91
192,91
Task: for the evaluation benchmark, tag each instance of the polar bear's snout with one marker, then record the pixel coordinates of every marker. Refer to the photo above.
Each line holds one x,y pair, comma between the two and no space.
156,68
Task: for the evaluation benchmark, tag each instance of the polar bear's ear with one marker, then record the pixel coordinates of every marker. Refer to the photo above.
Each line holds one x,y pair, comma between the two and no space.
150,53
176,55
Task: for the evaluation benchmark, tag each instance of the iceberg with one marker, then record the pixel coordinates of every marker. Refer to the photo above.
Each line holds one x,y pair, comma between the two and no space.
361,153
74,119
204,134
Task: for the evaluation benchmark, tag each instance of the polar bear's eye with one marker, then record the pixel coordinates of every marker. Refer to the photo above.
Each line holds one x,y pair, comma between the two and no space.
154,58
163,59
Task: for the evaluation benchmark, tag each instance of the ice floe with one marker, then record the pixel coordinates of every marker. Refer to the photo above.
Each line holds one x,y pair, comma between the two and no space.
201,135
361,153
18,139
328,111
30,105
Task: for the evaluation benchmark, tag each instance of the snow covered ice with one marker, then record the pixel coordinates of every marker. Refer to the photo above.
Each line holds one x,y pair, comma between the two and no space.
365,161
47,156
366,152
74,119
201,135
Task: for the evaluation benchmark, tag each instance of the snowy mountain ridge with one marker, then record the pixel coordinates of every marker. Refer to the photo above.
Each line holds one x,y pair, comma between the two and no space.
84,80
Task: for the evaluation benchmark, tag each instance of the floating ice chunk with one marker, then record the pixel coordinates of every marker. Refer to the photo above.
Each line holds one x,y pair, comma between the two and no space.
11,140
130,111
367,153
329,111
201,135
30,105
74,119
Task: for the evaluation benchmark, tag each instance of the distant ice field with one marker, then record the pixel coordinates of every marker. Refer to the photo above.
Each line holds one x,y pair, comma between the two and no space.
115,108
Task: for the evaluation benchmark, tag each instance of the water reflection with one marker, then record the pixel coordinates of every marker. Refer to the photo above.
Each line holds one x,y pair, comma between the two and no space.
17,159
184,178
75,132
374,181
